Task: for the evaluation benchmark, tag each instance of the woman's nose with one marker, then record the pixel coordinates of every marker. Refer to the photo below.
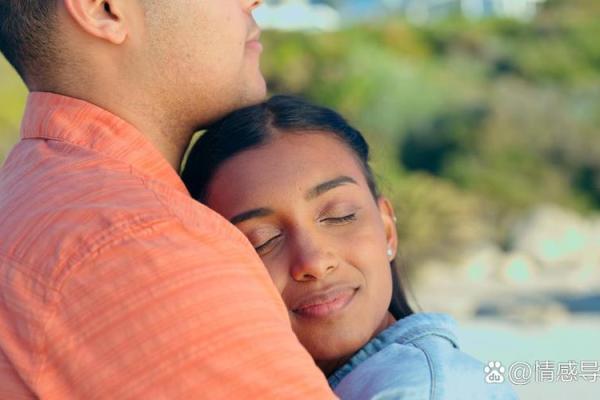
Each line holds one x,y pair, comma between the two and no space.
311,261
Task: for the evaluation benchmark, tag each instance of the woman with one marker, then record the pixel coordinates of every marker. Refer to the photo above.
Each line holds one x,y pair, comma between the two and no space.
295,179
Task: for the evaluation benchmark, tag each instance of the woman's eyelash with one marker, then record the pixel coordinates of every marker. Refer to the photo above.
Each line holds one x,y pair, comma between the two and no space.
265,244
345,218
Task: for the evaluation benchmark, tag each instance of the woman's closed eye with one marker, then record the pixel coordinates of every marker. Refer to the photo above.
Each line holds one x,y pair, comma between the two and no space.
341,219
263,237
266,245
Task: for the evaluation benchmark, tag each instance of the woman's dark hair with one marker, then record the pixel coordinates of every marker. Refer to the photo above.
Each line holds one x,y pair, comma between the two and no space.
257,125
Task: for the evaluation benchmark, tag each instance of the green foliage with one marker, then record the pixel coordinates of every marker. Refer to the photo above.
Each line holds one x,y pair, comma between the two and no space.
436,219
451,134
474,121
12,102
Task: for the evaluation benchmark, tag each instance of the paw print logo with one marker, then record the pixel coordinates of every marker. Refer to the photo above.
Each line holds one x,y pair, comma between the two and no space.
494,372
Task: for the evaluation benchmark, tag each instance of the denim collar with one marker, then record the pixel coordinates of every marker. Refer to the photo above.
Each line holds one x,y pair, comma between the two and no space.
403,331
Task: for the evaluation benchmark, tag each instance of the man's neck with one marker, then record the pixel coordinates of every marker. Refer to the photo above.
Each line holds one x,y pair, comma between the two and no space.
160,128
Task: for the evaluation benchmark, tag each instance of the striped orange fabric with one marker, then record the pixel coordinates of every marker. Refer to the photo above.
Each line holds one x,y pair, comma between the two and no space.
115,284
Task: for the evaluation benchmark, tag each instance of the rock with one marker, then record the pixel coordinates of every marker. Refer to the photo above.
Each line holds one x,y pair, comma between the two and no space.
480,264
554,237
434,273
595,237
518,268
586,275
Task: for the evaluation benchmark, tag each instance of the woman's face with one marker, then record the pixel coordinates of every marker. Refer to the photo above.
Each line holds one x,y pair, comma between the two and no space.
304,203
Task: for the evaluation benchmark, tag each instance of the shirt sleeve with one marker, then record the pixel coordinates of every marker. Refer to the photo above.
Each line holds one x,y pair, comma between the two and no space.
163,313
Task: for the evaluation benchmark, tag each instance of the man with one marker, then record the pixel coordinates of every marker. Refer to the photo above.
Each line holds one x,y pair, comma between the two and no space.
114,283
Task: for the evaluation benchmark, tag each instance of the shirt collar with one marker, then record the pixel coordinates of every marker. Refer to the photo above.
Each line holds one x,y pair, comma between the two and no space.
71,120
404,331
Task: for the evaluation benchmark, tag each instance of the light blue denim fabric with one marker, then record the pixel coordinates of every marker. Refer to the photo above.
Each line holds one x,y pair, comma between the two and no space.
417,358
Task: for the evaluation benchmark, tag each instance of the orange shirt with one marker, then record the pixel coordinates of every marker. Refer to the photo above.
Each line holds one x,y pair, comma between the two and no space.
115,284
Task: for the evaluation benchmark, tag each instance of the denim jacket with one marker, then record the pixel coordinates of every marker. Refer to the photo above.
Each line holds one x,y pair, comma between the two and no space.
417,358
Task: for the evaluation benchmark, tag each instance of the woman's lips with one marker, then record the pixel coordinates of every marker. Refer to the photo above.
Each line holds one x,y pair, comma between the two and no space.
323,304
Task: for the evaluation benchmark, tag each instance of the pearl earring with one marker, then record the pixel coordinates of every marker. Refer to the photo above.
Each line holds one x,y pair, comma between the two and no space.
390,253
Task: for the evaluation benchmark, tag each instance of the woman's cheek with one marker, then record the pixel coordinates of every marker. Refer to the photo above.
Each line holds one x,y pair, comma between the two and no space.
279,276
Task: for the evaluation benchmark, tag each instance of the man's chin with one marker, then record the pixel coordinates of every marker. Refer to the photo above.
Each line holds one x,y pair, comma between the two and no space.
252,95
255,93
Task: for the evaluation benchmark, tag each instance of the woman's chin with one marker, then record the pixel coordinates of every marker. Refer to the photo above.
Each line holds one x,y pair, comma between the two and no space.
333,353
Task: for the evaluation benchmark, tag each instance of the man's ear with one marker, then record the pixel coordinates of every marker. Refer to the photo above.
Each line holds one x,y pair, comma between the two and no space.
103,19
389,222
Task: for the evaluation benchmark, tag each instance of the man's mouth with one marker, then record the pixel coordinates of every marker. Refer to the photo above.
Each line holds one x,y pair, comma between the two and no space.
254,40
255,45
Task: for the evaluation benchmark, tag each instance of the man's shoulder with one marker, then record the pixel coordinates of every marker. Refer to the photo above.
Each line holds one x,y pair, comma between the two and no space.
57,211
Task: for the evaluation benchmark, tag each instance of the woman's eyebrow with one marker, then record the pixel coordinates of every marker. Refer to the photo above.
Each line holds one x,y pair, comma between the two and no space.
328,185
311,194
255,213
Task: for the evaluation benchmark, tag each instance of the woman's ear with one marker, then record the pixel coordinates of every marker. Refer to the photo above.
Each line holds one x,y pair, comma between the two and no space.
389,223
103,19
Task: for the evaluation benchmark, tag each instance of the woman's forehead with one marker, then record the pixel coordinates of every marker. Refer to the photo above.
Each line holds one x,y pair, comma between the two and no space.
287,166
